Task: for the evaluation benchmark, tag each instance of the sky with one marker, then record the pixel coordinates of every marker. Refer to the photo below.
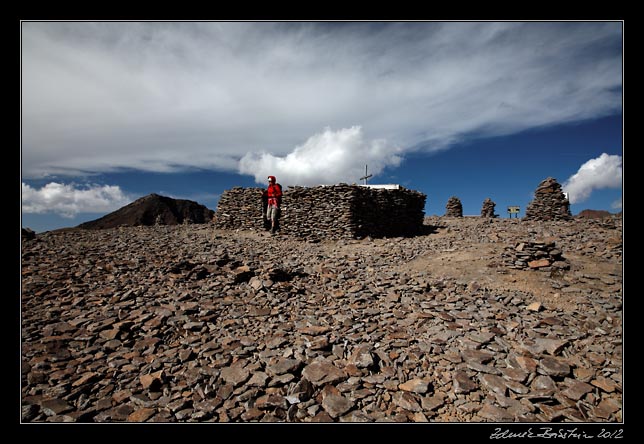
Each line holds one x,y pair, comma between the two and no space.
114,111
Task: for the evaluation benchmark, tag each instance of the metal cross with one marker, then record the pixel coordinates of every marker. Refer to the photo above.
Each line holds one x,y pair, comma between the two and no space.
366,176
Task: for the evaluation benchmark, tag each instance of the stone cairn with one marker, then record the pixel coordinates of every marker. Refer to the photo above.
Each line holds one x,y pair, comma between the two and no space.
549,203
328,212
537,255
487,210
454,208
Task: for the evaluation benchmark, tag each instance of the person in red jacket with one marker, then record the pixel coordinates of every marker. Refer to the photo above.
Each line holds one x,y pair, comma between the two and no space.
274,195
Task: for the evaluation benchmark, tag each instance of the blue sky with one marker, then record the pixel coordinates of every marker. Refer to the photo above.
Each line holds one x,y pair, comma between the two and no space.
115,111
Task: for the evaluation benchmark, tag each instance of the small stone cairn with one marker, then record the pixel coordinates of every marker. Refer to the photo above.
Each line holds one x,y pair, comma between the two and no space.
487,210
549,203
454,208
535,255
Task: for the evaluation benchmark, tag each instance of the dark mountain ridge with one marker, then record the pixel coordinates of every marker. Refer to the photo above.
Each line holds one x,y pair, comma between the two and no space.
594,214
151,210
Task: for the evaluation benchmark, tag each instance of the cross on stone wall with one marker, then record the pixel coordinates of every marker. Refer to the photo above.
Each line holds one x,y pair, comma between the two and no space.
366,176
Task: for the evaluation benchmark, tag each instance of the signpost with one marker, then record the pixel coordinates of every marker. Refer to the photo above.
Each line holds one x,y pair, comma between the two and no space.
513,210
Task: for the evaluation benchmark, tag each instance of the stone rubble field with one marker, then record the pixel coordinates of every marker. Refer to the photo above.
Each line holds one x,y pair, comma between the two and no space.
190,323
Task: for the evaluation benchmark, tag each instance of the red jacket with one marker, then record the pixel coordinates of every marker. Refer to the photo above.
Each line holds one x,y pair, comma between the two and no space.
274,193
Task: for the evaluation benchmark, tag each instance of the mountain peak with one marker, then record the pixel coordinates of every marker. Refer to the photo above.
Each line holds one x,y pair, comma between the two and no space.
153,209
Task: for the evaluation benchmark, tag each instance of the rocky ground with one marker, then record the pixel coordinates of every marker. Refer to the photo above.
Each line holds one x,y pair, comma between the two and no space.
192,324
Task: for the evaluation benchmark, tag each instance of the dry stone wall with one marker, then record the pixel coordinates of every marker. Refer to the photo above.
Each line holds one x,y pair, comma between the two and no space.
240,208
331,212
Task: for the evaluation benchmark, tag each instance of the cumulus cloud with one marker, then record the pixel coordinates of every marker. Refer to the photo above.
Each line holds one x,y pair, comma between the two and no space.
69,200
603,172
325,158
159,96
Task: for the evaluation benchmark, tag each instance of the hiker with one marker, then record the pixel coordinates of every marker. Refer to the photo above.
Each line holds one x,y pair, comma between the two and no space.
273,194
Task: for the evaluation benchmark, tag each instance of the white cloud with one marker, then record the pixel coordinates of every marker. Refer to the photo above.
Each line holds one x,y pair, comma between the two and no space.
603,172
158,96
617,205
68,200
325,158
